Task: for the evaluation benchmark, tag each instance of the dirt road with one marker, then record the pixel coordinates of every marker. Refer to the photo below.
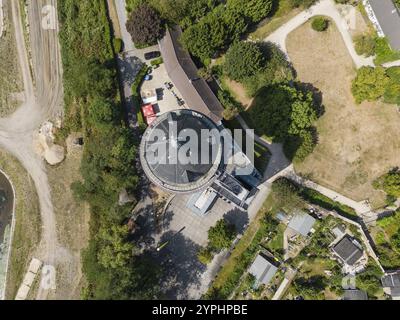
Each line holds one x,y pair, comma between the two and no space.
40,104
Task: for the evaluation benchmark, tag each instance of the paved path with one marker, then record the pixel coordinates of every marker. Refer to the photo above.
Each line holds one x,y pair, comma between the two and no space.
278,161
325,8
392,64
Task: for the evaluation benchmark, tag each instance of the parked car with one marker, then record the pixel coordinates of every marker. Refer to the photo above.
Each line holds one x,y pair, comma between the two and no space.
152,55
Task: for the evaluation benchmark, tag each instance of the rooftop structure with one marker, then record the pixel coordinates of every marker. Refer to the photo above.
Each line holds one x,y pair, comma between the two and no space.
166,140
302,223
355,295
263,270
386,17
184,74
348,250
391,284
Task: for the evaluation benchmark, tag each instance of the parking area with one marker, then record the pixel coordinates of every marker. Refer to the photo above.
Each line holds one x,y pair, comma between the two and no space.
178,216
166,100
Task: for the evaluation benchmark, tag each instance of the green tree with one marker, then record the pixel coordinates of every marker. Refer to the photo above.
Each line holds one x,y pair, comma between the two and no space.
254,10
116,252
243,59
145,25
389,182
370,84
221,235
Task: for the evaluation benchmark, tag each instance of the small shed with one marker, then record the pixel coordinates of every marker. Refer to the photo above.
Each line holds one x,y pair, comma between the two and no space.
302,223
263,270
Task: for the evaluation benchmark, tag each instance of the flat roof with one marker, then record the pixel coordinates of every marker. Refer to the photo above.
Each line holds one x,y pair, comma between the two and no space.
302,223
388,16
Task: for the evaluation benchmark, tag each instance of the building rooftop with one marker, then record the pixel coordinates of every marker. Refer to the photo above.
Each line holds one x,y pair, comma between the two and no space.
389,20
302,223
391,280
170,163
355,295
184,74
348,251
262,270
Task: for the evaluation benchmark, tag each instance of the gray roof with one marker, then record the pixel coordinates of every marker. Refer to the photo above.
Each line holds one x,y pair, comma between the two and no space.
391,280
389,20
262,270
302,223
348,251
164,141
355,295
183,73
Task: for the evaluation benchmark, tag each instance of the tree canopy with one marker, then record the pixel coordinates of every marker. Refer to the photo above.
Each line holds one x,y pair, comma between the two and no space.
370,84
243,60
145,25
221,235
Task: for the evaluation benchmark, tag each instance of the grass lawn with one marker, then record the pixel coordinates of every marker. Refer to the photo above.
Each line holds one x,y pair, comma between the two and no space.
283,14
350,154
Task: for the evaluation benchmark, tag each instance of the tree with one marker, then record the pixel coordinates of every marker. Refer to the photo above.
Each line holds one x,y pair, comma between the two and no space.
115,252
320,24
286,194
389,182
303,113
221,235
365,45
145,25
243,60
370,84
254,10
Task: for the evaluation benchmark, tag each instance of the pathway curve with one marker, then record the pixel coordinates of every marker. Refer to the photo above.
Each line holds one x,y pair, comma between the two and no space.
40,104
324,8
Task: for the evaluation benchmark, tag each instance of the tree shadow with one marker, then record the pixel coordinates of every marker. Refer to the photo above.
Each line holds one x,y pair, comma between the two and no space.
181,270
238,218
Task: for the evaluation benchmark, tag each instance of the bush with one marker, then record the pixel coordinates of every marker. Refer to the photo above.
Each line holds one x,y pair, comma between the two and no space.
205,255
383,52
320,24
370,84
156,62
145,25
390,183
365,45
118,45
243,59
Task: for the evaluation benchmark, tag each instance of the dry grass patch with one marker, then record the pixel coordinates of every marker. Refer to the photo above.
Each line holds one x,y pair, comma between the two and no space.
27,222
72,223
357,143
10,79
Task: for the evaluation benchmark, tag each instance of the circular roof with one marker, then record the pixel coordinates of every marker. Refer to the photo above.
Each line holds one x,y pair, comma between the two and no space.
181,151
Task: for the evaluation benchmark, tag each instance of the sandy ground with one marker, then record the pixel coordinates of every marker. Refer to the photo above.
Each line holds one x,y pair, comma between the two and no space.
239,92
357,143
40,104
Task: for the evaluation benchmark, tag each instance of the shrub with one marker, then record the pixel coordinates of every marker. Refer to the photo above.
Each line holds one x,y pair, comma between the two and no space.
389,182
156,62
383,52
365,45
205,255
370,84
320,24
118,45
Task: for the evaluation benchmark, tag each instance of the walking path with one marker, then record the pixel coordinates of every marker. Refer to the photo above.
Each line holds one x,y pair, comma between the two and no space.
392,64
324,8
1,18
